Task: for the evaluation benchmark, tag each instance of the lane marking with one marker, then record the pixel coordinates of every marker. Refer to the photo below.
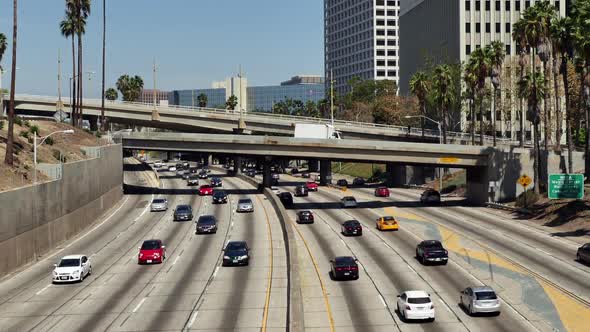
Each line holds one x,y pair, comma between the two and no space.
215,272
42,290
382,300
139,304
147,206
193,319
176,260
270,270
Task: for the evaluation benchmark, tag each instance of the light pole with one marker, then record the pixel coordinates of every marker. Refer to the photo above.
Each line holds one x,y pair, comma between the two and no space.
440,141
68,131
155,115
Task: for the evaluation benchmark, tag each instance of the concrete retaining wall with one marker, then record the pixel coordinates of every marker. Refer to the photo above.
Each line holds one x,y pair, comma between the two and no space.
36,219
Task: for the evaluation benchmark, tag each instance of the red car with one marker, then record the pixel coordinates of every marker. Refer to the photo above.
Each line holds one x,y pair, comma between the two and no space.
205,190
382,192
311,186
151,251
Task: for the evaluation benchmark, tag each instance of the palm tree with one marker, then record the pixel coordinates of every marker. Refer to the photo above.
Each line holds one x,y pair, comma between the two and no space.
470,79
111,94
231,102
202,100
561,45
420,87
496,55
68,30
481,64
518,34
80,10
130,87
9,157
443,94
103,123
3,46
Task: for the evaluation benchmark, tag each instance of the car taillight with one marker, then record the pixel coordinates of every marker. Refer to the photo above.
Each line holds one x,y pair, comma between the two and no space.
339,269
354,268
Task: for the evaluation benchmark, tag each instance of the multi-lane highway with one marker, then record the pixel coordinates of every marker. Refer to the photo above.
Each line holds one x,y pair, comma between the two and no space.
540,286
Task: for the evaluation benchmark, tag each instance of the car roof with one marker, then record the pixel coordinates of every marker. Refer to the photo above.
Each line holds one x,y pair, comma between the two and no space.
482,289
352,222
184,206
343,259
72,257
416,293
430,242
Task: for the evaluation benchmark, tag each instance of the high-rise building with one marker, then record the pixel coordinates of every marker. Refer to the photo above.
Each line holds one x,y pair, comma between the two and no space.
435,31
361,40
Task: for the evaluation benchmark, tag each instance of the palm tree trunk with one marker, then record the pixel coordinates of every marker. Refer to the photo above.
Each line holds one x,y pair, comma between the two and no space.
493,116
546,110
558,121
73,115
536,149
586,109
522,114
568,117
481,119
472,115
444,124
422,118
9,157
80,82
104,32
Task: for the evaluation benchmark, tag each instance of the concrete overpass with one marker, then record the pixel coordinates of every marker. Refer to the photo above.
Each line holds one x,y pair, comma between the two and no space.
483,165
209,120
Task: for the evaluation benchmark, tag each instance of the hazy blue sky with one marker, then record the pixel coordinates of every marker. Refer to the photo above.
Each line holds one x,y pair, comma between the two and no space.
195,42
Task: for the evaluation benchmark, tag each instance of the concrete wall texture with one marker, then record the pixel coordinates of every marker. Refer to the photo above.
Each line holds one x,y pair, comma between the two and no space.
36,219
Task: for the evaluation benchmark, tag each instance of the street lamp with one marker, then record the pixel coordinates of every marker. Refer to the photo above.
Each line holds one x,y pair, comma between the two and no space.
68,131
440,183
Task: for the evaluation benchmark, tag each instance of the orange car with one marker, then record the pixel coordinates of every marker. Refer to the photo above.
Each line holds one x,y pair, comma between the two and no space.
387,223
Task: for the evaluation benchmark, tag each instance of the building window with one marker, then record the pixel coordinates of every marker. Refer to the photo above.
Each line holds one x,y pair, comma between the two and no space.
380,22
380,12
381,52
391,32
392,73
380,32
488,5
508,27
557,5
478,27
477,5
391,53
527,4
497,5
380,42
467,49
507,49
507,5
467,27
488,27
381,63
381,73
498,26
380,2
391,42
517,5
467,4
391,23
392,63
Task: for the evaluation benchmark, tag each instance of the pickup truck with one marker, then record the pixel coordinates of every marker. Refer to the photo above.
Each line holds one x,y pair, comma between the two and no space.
431,251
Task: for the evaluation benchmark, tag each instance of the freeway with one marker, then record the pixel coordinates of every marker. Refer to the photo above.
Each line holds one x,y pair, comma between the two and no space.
189,291
532,299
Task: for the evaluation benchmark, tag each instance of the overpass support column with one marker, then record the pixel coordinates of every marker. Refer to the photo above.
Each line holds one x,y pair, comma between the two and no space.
313,165
169,156
477,185
208,160
237,165
93,122
396,175
415,175
325,172
266,174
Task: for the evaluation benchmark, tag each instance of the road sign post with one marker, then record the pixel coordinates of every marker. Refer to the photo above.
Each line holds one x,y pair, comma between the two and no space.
566,186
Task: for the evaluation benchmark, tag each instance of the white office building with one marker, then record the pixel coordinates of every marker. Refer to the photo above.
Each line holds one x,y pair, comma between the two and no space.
235,86
361,40
447,31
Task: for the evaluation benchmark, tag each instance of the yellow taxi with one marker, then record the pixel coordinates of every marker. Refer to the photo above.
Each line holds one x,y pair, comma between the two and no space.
387,223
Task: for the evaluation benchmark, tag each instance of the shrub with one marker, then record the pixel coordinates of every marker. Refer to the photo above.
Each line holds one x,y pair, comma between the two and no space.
34,129
529,197
56,154
24,134
27,123
18,120
98,134
1,124
49,141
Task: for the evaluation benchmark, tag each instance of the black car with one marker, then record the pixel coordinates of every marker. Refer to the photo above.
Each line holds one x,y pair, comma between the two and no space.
216,182
203,174
431,251
301,191
275,176
294,170
583,255
206,224
219,197
352,227
344,267
305,175
286,198
193,170
430,196
179,166
358,182
342,183
250,173
183,213
236,253
304,217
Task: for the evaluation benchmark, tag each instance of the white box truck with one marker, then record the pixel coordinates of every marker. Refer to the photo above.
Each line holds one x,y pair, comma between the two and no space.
312,130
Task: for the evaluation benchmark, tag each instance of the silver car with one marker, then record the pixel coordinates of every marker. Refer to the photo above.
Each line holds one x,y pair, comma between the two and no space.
348,202
159,204
245,205
480,299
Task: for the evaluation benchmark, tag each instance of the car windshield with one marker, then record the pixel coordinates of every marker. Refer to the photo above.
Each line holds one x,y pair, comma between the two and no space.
215,179
233,246
69,262
150,245
305,213
159,201
352,223
183,208
382,188
486,295
419,300
244,201
207,220
388,218
219,194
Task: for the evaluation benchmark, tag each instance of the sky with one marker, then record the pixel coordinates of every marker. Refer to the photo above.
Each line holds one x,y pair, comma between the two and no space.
194,42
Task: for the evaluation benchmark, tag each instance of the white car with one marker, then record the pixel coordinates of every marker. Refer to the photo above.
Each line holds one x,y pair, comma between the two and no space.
172,168
72,268
158,164
348,202
415,305
275,190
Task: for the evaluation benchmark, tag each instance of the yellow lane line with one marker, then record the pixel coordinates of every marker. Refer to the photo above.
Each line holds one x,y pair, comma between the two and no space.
270,255
317,271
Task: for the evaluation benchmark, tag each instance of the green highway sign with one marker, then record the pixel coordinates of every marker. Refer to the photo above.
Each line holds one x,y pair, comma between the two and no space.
566,186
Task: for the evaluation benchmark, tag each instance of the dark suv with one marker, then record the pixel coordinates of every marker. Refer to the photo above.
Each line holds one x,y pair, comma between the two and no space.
431,251
583,254
183,213
430,196
304,217
206,224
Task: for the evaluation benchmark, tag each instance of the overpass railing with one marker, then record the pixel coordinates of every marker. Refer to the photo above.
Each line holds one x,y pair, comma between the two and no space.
293,118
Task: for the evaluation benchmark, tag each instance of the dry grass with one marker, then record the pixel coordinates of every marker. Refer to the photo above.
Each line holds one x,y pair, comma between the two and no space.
68,145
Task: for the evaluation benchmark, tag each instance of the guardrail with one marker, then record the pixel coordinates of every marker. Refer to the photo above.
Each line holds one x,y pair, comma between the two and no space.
262,115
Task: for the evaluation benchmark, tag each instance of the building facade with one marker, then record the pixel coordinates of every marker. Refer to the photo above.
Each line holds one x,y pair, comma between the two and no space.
361,40
257,98
147,96
457,27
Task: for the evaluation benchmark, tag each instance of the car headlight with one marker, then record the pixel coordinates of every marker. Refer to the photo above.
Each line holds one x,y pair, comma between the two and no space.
156,255
226,257
76,272
54,273
141,254
243,257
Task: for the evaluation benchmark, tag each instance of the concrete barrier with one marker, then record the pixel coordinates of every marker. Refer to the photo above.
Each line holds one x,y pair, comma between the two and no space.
38,218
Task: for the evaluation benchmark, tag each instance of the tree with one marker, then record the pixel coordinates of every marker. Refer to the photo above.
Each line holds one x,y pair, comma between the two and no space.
68,30
392,110
3,46
111,94
130,87
9,157
443,95
495,53
311,109
202,100
420,87
231,103
470,79
481,64
81,11
519,35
